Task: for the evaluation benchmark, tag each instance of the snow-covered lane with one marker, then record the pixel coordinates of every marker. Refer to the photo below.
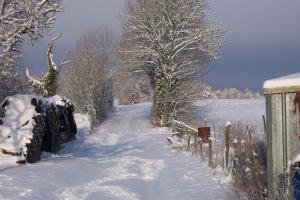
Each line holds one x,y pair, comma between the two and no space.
126,159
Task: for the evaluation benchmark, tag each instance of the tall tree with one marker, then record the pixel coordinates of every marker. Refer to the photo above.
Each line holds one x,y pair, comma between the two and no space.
171,42
21,20
87,81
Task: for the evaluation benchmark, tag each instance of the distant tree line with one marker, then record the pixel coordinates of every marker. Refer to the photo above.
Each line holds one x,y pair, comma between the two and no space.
233,93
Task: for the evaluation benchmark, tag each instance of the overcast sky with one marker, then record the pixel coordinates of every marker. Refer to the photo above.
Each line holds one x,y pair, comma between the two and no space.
262,41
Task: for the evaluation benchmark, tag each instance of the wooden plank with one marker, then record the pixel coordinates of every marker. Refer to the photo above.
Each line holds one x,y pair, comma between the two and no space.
281,90
275,146
186,126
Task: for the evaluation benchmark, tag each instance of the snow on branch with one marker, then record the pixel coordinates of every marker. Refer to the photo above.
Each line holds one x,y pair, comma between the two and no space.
173,44
23,20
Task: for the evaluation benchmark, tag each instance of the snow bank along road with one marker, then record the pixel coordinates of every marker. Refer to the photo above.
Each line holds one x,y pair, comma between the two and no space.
126,159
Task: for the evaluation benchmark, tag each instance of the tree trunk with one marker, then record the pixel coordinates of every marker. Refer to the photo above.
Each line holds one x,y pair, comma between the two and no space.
162,110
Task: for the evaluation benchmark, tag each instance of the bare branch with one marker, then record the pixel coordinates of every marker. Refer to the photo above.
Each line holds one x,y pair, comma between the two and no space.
64,61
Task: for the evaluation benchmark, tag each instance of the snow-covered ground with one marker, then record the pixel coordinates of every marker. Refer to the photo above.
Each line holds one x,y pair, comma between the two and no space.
221,111
125,159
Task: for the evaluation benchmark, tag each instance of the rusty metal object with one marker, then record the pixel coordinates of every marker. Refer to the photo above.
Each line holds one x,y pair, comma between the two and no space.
204,134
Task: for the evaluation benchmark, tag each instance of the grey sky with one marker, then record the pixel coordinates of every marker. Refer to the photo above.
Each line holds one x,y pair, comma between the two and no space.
77,17
263,40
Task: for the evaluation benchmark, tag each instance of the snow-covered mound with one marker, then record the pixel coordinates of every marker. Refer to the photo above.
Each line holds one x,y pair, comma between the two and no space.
16,130
83,125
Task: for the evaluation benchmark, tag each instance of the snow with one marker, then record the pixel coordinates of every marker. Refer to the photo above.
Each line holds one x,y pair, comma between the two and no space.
125,159
247,170
296,159
16,130
59,100
292,80
30,78
246,111
228,124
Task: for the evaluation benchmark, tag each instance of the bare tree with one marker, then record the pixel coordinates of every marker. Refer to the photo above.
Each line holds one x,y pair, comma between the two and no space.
88,80
21,20
48,86
171,42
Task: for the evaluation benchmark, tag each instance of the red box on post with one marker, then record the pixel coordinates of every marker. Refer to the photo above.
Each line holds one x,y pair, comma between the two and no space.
204,134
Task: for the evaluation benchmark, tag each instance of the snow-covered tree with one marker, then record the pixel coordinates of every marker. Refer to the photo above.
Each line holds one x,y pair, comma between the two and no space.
21,20
87,81
48,86
171,42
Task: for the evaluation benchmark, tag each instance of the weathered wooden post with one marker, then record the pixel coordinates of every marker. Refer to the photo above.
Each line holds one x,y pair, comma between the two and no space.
227,142
173,126
283,136
189,143
201,148
196,146
210,152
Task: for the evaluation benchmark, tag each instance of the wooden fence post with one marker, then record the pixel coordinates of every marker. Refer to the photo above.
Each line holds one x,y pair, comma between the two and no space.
173,126
210,153
201,149
227,143
189,143
195,144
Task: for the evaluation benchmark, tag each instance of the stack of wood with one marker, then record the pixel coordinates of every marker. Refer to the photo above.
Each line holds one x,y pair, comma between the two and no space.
53,124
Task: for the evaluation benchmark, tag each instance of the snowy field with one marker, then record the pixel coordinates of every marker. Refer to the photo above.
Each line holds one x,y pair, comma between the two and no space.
125,159
246,111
